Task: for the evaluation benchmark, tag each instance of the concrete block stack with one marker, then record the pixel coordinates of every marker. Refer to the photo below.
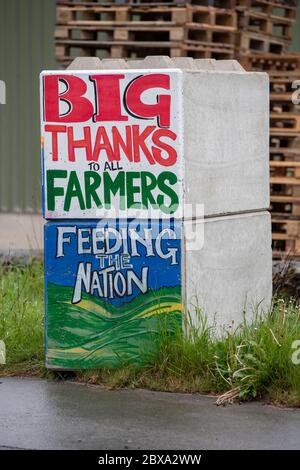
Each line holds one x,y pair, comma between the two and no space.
156,210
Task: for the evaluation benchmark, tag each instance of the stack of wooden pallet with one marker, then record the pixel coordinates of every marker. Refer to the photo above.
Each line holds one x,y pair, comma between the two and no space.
265,26
136,29
284,72
209,32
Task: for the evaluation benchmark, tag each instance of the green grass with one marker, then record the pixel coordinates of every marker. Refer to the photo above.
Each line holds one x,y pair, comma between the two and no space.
22,312
254,361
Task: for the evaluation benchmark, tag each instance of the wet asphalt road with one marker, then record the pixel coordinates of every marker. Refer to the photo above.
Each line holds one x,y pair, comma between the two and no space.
40,414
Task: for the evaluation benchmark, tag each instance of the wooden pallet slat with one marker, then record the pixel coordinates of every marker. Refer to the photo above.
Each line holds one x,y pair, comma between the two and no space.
286,8
211,16
256,43
285,236
208,50
136,32
227,4
70,14
285,122
271,63
272,25
284,164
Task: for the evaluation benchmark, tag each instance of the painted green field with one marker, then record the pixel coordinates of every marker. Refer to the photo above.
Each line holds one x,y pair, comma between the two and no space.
94,333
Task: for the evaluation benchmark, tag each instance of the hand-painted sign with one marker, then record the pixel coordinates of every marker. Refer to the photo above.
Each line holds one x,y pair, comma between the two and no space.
111,286
112,143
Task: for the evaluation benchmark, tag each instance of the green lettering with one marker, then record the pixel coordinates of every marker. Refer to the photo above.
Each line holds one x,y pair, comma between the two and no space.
172,179
92,182
131,190
52,190
148,183
73,191
114,186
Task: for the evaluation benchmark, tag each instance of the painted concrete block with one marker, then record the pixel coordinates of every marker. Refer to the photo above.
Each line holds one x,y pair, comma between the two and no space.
112,144
110,288
152,137
231,273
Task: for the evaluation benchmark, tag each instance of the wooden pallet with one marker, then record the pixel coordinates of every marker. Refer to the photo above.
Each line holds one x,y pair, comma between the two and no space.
86,28
284,142
285,180
118,31
207,16
198,34
270,62
210,25
231,4
273,25
285,123
207,51
283,8
123,2
287,168
285,236
282,82
69,15
283,95
285,174
66,52
284,153
285,204
228,4
255,43
283,104
285,188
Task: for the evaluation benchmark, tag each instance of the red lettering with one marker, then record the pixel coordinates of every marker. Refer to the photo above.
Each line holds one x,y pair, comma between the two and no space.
119,143
80,108
108,98
139,143
102,143
133,144
157,152
81,143
54,131
161,109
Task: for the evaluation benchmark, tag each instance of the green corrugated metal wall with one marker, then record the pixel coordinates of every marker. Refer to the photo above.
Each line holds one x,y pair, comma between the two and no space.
26,47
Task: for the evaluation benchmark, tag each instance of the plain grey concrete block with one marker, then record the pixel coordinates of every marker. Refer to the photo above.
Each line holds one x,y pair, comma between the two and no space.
85,63
229,65
113,64
231,274
205,64
226,140
184,62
